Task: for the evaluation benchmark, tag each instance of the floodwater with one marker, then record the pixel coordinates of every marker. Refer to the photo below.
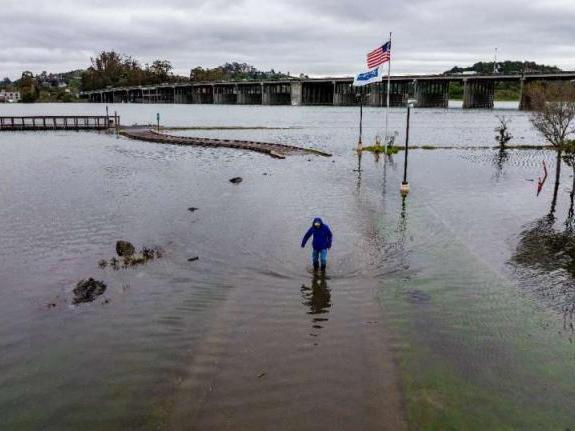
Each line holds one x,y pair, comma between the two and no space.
450,309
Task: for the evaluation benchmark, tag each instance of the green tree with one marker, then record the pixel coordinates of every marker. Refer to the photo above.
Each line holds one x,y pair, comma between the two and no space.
28,87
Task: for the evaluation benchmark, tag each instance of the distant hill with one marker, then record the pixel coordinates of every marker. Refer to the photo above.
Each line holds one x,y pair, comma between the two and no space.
504,67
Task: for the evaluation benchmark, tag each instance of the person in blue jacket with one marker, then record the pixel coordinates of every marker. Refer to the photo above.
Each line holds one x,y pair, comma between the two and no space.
322,238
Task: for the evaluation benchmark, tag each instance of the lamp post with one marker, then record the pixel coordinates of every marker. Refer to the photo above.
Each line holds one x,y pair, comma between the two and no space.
359,143
404,188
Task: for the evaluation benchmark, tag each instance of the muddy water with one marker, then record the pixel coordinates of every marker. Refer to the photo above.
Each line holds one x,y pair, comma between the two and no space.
434,311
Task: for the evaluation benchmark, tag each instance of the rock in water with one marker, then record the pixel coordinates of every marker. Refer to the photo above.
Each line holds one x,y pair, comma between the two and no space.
236,180
88,290
125,248
192,209
193,259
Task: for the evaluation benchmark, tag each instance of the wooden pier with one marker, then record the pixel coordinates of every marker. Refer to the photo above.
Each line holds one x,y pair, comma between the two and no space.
278,151
59,122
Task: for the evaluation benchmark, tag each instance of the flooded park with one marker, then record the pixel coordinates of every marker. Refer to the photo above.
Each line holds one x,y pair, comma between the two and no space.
449,309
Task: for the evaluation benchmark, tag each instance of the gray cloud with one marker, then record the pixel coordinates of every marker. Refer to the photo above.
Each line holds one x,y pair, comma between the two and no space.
318,37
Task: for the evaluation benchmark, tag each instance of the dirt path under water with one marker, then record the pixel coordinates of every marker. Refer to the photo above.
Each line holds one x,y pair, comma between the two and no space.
295,355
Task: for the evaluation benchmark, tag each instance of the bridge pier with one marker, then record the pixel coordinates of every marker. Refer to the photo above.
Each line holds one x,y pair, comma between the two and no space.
478,94
295,93
118,96
526,100
276,94
225,94
344,94
133,96
203,94
398,94
431,94
249,94
317,93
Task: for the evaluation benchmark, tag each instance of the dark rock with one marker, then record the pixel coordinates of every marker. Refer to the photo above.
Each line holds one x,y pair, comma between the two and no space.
51,305
125,248
88,290
148,253
236,180
159,252
193,259
103,263
192,209
114,263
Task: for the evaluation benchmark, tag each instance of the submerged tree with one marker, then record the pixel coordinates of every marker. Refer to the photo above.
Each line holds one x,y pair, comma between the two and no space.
503,135
569,159
553,117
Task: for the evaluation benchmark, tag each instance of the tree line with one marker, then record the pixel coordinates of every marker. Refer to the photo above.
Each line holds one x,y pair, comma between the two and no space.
110,69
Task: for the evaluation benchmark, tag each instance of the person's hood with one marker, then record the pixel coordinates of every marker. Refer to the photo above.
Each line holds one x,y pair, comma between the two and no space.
316,220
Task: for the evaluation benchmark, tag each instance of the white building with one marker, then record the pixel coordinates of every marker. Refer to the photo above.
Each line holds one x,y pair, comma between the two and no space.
9,96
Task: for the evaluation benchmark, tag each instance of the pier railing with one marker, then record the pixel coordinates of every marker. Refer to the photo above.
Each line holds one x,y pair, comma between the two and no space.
59,122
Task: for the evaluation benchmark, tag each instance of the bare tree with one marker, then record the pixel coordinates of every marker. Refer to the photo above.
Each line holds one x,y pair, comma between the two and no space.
569,159
553,117
503,135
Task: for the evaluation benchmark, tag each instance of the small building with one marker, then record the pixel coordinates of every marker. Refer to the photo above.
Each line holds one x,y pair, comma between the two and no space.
9,96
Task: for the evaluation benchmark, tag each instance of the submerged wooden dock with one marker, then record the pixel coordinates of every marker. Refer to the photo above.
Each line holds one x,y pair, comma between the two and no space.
279,151
104,122
58,122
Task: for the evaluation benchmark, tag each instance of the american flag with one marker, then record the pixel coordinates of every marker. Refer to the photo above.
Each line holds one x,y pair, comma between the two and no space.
379,55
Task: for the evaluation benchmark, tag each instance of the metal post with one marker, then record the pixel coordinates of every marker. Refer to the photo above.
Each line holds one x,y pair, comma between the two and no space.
359,143
388,89
404,189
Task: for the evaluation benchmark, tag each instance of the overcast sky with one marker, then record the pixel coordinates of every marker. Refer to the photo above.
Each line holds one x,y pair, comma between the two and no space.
316,37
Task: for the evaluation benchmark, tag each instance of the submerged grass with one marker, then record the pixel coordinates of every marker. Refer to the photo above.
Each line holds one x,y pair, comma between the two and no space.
380,149
475,355
394,150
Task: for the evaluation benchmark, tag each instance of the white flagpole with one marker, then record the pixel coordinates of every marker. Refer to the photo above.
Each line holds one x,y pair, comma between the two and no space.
388,90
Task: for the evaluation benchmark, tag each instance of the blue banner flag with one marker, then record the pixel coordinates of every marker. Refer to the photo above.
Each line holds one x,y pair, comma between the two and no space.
364,78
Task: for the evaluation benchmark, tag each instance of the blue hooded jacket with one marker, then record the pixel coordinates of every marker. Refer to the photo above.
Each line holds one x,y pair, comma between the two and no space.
322,236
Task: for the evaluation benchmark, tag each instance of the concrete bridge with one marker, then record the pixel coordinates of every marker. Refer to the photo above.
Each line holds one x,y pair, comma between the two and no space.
430,91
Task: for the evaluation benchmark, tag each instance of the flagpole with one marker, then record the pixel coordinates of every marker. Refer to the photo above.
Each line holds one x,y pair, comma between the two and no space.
388,90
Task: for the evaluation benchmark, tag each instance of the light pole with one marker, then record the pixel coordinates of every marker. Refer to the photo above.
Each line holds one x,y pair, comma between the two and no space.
359,143
404,188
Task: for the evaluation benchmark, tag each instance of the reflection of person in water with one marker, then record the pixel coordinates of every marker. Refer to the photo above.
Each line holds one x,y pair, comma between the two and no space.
322,238
317,298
